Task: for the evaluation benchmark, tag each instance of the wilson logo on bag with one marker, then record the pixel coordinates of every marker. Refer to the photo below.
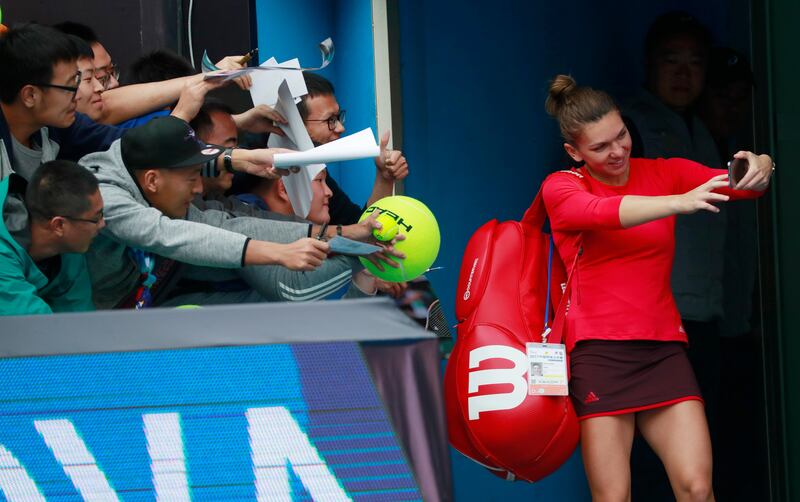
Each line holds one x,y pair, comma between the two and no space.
514,376
469,281
500,305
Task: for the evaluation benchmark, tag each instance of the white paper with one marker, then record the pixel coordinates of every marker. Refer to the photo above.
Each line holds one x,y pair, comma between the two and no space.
298,185
295,128
360,145
266,83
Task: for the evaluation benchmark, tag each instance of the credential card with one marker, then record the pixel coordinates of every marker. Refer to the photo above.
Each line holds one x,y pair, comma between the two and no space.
547,369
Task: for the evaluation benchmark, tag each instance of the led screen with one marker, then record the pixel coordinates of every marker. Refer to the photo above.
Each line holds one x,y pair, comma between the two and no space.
276,422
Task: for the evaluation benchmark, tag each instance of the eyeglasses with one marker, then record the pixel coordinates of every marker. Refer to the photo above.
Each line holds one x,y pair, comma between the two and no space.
104,74
72,89
87,75
332,120
93,221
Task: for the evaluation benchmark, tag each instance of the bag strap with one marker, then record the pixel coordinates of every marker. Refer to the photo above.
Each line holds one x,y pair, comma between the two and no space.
536,214
555,333
540,215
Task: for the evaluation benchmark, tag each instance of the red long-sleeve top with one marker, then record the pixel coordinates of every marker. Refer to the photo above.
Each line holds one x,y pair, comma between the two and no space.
621,284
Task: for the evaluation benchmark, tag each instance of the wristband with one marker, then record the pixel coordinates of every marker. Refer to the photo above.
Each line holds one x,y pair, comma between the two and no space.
227,160
210,169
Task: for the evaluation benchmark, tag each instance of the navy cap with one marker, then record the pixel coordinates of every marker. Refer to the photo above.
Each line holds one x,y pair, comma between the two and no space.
725,66
165,143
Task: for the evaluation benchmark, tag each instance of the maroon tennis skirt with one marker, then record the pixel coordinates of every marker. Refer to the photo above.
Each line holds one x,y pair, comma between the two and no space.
616,377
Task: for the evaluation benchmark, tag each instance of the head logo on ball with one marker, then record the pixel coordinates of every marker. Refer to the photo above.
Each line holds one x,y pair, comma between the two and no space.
400,214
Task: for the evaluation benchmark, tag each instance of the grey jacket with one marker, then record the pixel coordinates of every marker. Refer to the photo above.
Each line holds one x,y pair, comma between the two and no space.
211,238
231,204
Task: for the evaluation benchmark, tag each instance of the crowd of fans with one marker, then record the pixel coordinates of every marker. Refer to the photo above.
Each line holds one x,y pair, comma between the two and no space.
160,225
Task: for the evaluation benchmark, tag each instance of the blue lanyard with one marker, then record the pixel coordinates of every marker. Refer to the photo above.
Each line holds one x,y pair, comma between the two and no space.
549,277
146,263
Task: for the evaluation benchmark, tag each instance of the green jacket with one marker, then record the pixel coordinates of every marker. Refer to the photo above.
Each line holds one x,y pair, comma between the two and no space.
24,289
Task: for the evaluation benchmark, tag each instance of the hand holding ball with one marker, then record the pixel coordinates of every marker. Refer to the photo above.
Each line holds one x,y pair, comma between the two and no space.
400,214
388,230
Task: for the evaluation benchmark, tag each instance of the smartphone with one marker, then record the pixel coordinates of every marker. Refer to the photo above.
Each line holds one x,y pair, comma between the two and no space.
736,170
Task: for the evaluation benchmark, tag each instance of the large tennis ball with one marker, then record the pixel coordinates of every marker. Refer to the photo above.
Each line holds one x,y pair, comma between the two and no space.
421,245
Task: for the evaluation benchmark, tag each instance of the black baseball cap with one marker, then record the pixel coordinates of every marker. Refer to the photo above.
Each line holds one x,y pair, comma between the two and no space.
726,65
165,143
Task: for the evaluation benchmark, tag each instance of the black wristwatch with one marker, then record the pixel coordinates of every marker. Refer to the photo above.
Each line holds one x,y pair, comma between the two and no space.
227,160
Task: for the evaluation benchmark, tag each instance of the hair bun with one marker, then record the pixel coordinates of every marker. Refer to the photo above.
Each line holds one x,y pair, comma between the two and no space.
560,89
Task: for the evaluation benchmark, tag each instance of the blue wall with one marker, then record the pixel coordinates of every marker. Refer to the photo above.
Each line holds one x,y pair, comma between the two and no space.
293,29
478,141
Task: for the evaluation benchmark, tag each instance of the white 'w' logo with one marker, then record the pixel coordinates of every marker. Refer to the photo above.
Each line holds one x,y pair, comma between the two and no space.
513,376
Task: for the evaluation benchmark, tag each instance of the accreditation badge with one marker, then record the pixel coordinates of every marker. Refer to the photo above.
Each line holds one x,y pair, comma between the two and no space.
547,369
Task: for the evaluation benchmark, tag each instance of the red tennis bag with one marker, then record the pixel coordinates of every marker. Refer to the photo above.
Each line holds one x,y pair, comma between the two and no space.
501,304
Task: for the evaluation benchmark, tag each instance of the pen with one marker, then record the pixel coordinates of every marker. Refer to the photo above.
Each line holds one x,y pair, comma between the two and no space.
321,236
247,57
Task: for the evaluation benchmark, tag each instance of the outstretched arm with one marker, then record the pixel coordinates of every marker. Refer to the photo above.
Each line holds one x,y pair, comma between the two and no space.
129,101
695,187
256,162
637,209
303,254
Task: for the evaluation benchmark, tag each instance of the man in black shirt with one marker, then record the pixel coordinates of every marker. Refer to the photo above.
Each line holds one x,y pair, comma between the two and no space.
324,122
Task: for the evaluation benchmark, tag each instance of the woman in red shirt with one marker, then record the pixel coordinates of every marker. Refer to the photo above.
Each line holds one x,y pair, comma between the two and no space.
628,361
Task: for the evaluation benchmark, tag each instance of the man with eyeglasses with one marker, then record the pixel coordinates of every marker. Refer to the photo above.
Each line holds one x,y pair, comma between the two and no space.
39,122
105,70
107,74
324,122
47,225
134,104
38,87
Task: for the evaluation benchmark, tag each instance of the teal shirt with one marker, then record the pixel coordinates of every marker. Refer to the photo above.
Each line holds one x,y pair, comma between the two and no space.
25,290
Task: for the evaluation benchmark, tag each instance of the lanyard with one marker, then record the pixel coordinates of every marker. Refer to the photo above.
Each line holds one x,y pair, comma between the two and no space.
146,263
